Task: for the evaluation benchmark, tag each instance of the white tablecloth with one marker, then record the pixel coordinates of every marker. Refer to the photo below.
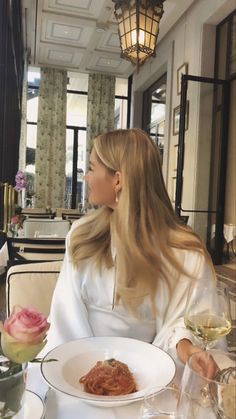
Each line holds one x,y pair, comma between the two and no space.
229,232
61,406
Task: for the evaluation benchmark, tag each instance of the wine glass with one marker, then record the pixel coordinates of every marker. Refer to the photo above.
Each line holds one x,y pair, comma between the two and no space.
163,403
207,313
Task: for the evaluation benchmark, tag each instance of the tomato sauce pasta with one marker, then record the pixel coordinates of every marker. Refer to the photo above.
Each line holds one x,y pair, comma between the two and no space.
109,378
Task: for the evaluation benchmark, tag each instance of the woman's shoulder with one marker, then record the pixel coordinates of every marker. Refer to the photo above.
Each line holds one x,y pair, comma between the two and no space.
75,226
82,220
193,262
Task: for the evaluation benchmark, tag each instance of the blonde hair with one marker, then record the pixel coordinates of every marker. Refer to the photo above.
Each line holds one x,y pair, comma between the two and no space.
144,227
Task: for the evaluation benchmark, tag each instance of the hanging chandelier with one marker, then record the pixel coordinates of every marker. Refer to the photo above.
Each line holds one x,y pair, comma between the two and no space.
138,26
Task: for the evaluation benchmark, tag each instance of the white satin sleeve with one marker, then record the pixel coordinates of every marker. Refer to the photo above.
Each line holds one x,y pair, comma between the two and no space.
68,315
170,321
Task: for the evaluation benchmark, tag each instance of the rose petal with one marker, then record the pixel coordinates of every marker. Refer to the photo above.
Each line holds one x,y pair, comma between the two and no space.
26,325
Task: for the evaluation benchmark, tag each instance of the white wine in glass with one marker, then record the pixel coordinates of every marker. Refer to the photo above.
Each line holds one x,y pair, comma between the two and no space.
207,313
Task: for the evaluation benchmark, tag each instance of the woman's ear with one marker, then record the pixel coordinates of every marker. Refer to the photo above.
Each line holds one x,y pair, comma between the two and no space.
118,180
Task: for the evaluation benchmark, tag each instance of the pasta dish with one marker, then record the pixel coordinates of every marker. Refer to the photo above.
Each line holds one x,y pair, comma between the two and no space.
109,378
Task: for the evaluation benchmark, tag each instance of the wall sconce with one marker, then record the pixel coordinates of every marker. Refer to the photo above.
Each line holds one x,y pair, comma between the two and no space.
138,26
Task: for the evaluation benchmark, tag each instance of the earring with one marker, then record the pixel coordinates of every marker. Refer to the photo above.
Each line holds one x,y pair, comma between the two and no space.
117,197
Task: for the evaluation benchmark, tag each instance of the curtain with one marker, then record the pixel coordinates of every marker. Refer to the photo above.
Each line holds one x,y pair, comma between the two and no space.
100,109
51,139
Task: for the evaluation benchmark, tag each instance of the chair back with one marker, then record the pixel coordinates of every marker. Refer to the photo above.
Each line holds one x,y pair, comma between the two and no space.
69,214
72,217
46,228
32,285
22,250
184,219
37,213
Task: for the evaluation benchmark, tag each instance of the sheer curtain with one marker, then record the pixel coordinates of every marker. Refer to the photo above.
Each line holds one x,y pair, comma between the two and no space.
51,139
100,110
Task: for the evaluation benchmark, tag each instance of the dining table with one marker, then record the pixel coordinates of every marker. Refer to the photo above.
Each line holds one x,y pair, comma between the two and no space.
229,233
62,406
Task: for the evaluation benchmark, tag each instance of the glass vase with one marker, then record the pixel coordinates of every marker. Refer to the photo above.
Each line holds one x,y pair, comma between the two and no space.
215,397
12,389
22,198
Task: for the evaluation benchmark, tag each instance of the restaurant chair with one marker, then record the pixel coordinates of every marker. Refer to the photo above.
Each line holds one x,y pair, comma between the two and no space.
32,285
46,228
38,213
72,217
59,211
43,216
69,214
184,219
23,250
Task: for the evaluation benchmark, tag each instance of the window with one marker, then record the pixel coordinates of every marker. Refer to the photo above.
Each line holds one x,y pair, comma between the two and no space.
76,120
76,123
121,103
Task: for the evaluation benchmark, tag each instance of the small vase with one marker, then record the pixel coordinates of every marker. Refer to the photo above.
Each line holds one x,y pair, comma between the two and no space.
21,198
14,230
12,389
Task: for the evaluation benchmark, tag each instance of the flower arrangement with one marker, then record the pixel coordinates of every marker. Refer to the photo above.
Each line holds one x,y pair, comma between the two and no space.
23,335
16,222
21,181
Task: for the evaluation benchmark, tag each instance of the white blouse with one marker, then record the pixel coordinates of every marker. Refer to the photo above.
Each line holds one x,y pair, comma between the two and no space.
83,299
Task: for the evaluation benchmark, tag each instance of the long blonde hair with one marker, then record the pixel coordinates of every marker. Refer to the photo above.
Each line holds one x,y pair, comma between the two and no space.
144,227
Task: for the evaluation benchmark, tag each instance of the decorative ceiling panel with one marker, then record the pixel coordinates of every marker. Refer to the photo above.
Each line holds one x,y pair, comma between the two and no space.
104,63
83,8
65,33
70,33
56,56
109,41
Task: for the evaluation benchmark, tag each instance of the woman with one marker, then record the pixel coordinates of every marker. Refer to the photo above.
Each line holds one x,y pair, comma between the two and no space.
129,264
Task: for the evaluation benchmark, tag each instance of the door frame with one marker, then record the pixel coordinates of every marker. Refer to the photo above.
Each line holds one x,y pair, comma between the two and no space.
217,252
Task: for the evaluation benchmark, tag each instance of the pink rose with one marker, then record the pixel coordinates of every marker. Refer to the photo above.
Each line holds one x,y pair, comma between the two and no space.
23,334
15,219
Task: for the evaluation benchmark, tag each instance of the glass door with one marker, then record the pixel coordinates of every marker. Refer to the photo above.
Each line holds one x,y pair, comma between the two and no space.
207,208
154,105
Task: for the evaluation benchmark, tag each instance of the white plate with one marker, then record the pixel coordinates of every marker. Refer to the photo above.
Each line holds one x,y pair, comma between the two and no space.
33,406
150,366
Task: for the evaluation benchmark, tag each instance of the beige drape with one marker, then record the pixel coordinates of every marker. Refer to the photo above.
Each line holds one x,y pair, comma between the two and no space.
51,139
100,109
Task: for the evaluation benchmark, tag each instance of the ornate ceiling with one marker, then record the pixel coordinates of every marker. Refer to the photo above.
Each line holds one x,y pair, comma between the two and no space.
81,35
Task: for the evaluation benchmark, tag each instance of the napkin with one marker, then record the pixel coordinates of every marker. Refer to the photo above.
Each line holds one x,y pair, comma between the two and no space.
4,257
